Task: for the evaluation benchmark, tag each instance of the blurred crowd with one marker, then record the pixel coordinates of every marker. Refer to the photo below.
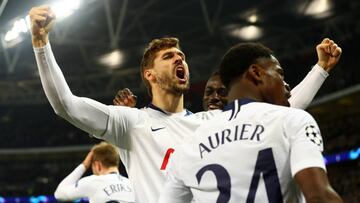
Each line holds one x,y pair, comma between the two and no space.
37,126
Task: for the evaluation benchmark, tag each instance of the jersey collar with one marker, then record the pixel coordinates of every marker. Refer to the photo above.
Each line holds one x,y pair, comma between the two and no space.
239,102
152,106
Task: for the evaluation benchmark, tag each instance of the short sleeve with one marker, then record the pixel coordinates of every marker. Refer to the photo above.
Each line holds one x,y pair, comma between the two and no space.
306,143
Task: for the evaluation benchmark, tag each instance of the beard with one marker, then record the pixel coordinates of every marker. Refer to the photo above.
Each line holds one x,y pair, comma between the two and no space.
170,84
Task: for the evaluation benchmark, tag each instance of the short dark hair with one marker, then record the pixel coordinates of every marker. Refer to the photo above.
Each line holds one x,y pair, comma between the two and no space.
239,58
150,52
107,154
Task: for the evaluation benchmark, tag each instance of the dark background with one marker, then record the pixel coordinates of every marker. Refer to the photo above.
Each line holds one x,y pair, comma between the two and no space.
38,149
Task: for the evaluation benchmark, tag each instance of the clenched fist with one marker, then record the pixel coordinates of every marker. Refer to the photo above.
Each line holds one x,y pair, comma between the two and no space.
328,54
42,19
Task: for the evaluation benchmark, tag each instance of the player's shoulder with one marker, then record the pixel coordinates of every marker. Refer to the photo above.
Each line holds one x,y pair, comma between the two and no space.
290,117
88,181
124,179
275,110
206,115
125,110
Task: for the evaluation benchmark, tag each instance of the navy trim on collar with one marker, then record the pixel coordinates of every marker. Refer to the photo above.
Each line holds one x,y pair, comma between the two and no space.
152,106
188,113
240,102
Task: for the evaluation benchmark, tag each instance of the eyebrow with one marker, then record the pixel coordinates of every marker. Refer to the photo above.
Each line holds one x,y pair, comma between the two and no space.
176,52
181,53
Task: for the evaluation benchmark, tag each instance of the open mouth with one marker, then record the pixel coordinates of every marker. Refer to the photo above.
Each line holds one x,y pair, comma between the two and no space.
215,105
180,72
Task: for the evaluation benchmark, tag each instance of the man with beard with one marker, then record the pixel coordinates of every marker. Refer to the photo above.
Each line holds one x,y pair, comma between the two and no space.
146,137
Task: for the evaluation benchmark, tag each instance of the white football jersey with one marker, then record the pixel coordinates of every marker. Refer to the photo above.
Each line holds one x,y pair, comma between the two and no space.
146,137
111,187
248,153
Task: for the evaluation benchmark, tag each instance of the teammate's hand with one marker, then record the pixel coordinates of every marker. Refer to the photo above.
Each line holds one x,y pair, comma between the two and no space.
42,19
125,97
88,160
328,54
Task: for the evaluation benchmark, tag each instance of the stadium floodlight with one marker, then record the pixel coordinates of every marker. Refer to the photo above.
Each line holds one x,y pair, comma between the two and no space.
64,8
253,18
317,8
18,27
248,33
113,59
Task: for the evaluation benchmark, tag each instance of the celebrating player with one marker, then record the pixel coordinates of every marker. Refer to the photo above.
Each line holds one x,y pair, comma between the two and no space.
252,151
105,185
146,137
215,93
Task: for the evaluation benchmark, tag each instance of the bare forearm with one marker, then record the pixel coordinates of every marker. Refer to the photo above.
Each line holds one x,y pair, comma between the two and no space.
39,41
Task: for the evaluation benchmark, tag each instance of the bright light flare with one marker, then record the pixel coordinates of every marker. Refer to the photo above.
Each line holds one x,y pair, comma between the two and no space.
318,8
253,18
112,60
65,8
18,27
248,33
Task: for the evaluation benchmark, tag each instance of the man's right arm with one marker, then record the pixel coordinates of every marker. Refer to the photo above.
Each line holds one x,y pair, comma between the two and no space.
86,114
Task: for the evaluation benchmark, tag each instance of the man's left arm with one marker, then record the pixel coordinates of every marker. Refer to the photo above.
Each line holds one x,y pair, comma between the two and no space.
328,56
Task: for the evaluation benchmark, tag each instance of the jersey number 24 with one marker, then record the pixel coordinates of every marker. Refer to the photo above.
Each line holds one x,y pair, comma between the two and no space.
265,165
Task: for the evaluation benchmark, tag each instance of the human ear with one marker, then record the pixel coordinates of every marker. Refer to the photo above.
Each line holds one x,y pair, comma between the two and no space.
255,73
149,75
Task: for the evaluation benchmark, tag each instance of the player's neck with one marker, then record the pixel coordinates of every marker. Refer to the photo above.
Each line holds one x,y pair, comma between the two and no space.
168,102
109,170
247,92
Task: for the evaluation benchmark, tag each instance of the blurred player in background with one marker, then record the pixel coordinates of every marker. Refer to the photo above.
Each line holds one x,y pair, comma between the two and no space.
106,184
252,151
215,93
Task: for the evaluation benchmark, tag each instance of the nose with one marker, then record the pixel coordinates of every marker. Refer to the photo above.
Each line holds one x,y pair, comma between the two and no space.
178,58
287,86
215,96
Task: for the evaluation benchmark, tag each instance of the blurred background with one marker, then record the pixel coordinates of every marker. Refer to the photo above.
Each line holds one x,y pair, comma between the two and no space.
98,45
